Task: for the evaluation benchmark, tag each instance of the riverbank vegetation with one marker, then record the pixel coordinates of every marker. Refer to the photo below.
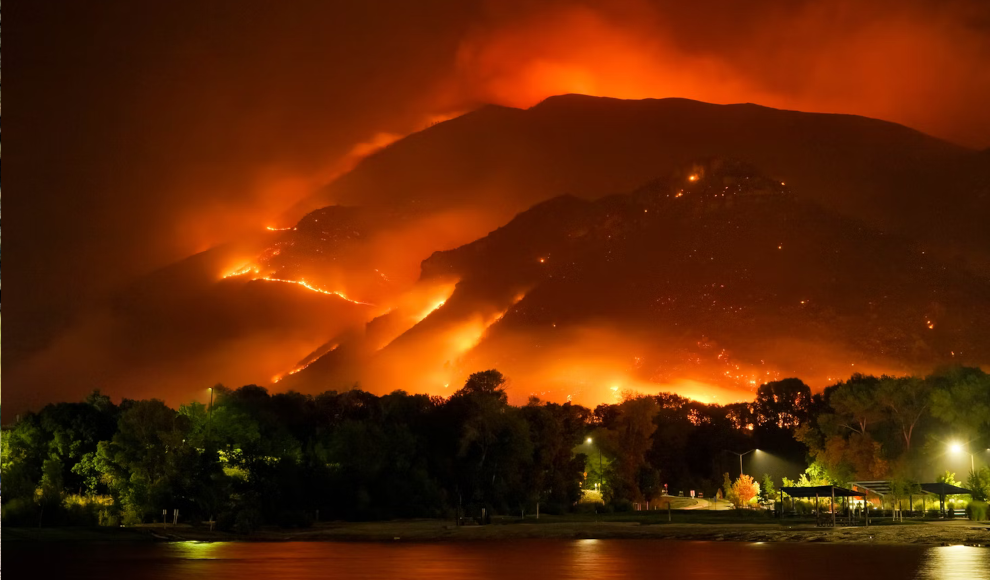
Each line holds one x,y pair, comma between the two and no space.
254,458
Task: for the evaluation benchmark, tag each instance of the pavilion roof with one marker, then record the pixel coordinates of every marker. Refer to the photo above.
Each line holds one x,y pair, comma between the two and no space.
821,491
944,489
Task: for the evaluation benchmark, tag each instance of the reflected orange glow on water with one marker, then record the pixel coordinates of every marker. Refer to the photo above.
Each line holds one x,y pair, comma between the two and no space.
496,559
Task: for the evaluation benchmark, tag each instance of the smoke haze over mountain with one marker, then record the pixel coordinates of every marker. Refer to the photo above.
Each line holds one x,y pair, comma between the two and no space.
147,133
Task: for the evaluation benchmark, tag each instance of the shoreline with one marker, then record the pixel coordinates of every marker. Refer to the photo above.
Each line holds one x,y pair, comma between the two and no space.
931,533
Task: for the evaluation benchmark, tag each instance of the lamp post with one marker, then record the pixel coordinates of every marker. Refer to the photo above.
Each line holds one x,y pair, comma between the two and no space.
740,457
600,475
957,448
209,420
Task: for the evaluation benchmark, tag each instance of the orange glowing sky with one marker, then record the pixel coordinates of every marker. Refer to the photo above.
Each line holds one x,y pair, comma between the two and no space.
886,60
179,127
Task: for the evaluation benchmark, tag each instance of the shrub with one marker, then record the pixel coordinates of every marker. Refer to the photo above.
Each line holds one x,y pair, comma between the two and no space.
82,514
110,517
744,489
20,512
977,510
622,505
88,510
979,483
588,508
247,521
131,516
591,496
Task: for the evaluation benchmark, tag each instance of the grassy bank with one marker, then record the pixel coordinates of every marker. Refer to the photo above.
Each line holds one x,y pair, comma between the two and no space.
684,526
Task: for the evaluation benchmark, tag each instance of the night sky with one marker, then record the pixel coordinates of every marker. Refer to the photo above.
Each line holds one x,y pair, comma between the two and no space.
147,132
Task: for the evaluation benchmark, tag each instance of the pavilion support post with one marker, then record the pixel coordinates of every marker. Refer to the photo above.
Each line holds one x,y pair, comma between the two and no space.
832,506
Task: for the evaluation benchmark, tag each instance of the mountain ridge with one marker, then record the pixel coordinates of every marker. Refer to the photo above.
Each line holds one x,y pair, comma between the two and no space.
507,159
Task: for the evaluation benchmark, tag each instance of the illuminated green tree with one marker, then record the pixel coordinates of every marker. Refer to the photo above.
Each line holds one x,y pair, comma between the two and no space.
961,397
907,400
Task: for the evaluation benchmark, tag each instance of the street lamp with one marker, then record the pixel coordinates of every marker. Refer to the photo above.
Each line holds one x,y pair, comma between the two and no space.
740,457
957,448
600,475
209,420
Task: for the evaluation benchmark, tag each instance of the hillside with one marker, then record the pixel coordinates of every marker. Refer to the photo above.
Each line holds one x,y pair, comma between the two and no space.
903,212
508,159
711,280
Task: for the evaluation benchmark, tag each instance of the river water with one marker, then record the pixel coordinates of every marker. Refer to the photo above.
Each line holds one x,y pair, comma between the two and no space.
503,560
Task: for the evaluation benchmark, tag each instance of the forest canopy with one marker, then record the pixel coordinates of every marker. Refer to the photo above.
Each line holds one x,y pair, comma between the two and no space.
252,457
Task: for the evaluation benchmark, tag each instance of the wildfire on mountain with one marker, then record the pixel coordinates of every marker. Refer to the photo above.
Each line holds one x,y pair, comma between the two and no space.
253,269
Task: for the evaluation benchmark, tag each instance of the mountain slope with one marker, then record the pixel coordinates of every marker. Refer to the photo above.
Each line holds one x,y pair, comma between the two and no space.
355,255
709,282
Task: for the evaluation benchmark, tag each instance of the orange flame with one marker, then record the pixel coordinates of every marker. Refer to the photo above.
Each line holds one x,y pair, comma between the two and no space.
254,269
309,286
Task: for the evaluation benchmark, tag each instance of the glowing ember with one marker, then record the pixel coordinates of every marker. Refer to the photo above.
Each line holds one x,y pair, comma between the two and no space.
274,229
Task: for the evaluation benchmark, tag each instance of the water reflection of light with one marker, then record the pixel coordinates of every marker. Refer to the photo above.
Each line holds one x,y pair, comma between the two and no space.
952,562
196,550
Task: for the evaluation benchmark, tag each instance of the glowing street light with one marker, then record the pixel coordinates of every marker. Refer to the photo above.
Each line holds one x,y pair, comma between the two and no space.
600,474
740,457
956,448
209,420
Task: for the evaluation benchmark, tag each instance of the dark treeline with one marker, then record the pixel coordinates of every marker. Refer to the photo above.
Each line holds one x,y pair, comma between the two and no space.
258,458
